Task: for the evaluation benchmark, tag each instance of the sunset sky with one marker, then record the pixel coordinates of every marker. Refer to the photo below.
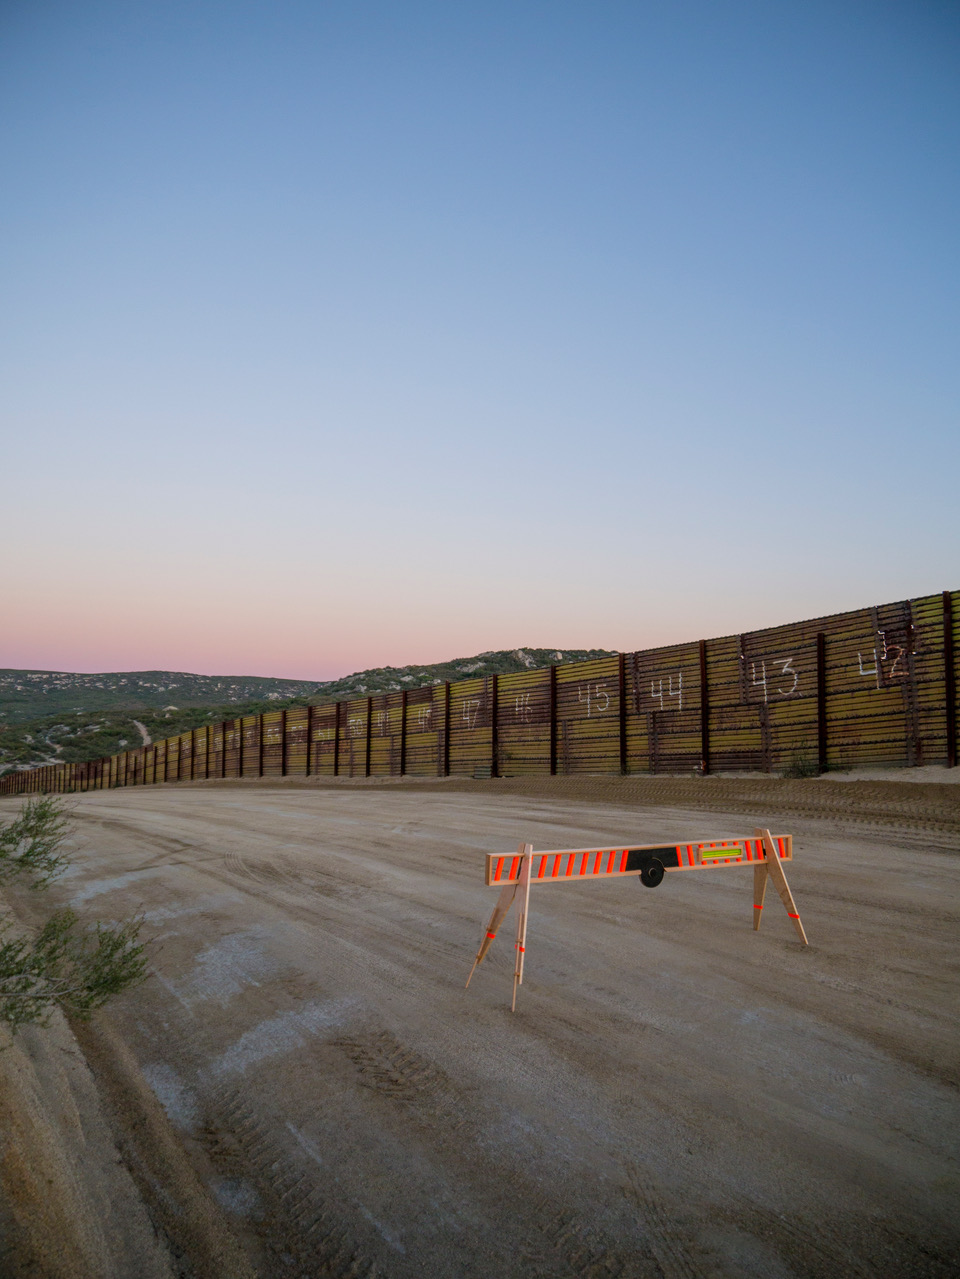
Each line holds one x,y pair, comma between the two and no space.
345,334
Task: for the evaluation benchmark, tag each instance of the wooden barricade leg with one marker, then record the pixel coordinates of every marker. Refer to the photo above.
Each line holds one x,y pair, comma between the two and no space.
523,909
500,912
760,878
774,868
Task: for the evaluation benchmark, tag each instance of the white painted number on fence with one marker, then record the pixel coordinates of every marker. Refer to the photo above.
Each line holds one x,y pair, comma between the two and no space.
787,669
664,695
761,678
596,698
882,653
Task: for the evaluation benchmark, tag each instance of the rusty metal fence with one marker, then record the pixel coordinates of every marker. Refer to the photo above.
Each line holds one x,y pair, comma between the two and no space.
875,687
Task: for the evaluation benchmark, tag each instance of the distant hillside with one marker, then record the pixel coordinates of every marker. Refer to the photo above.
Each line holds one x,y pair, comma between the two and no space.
51,717
25,695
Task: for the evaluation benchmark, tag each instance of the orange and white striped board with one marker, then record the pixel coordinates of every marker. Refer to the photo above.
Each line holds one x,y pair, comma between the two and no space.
516,875
565,864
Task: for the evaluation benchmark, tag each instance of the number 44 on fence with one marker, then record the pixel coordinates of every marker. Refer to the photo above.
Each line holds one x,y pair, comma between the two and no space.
515,876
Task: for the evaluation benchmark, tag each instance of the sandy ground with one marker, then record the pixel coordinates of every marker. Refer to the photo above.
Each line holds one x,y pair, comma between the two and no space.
55,1218
676,1096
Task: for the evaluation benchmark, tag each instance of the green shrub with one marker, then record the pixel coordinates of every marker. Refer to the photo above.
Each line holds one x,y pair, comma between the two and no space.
802,764
65,965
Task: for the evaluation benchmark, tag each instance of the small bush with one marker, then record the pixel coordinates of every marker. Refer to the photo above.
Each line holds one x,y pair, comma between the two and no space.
64,964
30,845
79,970
802,764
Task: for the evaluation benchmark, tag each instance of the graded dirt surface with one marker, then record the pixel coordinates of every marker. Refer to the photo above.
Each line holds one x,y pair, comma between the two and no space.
676,1095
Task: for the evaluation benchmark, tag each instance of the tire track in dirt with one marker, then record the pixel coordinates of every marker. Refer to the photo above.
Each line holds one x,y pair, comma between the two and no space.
564,1243
667,1240
303,1232
815,1251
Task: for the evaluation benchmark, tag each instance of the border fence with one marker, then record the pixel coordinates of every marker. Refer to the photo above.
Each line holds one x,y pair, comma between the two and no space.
876,687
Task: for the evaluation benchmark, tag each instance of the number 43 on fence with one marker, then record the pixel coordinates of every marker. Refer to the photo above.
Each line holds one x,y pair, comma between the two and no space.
766,853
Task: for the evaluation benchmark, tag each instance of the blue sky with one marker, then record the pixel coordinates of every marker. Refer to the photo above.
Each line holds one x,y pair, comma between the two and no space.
343,334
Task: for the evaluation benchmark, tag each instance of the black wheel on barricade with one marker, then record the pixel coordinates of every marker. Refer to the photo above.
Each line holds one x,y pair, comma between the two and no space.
652,873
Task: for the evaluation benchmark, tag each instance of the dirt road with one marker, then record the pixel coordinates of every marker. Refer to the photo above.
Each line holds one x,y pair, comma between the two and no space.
676,1095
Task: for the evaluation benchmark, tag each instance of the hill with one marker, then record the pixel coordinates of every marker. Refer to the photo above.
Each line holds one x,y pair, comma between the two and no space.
51,717
27,695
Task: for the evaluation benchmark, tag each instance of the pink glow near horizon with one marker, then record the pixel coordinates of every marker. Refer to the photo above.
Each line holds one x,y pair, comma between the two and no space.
294,639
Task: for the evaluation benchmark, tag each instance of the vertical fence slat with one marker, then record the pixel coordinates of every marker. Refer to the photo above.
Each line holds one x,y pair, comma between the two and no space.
821,702
949,680
553,721
704,709
494,725
622,709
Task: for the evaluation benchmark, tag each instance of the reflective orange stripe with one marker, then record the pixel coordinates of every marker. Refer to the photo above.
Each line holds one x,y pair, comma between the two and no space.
793,916
492,936
499,871
756,907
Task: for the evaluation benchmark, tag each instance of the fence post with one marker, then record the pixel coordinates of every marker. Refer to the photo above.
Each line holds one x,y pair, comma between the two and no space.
283,742
553,721
949,680
494,734
306,766
446,729
622,678
821,702
336,742
403,732
366,762
260,744
704,711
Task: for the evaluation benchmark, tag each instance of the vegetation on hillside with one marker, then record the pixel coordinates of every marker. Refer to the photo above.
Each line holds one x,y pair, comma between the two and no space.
33,695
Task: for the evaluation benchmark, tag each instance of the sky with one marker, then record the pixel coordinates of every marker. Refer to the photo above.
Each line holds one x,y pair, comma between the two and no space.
336,335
